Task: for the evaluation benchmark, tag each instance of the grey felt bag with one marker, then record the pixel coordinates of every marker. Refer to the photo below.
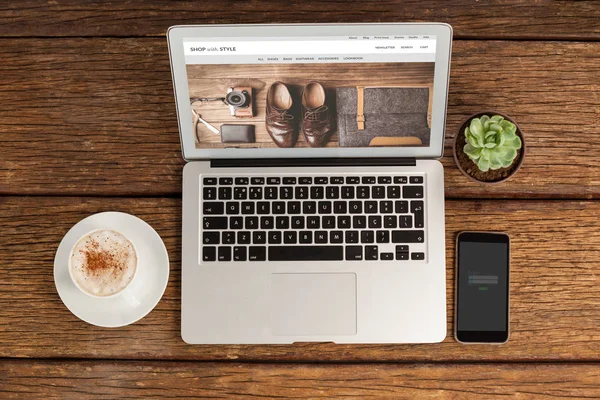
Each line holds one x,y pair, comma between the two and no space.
389,112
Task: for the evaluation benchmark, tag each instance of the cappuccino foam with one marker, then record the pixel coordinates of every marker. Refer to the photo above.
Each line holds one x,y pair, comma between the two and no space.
103,262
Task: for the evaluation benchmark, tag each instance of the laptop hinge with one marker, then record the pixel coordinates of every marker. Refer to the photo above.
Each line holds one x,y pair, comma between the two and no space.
312,162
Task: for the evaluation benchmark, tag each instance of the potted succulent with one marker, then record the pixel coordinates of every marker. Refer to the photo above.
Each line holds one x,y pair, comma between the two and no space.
489,147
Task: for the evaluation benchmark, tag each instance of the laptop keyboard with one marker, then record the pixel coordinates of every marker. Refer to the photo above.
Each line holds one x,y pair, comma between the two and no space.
313,218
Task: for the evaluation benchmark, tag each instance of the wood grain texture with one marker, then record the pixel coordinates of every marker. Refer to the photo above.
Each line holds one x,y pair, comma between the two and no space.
97,117
171,380
555,288
551,19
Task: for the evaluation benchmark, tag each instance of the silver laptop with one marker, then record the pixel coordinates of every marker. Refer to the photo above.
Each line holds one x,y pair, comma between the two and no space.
313,198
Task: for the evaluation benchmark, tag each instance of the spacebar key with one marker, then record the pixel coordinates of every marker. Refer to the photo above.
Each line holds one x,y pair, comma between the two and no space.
306,253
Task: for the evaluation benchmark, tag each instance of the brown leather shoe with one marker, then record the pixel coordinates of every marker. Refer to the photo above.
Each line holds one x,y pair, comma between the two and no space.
280,120
316,117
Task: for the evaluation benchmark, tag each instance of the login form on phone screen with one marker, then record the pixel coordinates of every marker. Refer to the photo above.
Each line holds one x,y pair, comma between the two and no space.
483,284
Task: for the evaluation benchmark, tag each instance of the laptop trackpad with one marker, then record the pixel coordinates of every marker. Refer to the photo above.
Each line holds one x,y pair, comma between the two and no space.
313,304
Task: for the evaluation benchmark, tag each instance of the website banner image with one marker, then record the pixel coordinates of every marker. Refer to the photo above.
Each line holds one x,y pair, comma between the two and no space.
351,92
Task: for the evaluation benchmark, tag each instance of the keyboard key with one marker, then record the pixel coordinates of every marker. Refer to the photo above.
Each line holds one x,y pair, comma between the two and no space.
274,237
400,180
387,256
301,192
371,253
255,193
393,192
251,223
305,237
416,179
210,181
236,223
375,221
328,222
379,192
383,236
359,222
337,180
232,207
286,192
224,253
247,207
239,253
309,207
324,207
355,207
321,180
343,221
305,180
351,180
416,207
298,222
313,222
354,253
417,256
282,222
402,256
332,192
259,237
240,193
390,221
384,179
293,207
267,223
336,237
228,237
347,192
368,179
212,207
273,181
405,222
290,237
385,207
363,192
241,181
278,207
370,207
351,236
258,181
263,207
401,206
317,192
209,253
209,193
402,248
367,237
271,193
243,237
257,253
289,181
210,237
340,207
412,192
211,223
225,193
321,237
225,181
306,253
408,236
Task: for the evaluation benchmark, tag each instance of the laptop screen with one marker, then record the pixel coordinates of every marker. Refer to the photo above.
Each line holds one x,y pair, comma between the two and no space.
310,92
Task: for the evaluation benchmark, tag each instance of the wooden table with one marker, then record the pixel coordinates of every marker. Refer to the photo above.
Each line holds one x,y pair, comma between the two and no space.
87,124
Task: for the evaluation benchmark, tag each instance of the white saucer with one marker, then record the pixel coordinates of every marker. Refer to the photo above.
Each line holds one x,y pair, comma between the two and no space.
144,291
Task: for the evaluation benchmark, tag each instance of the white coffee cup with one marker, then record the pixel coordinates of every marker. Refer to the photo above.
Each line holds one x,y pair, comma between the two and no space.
103,263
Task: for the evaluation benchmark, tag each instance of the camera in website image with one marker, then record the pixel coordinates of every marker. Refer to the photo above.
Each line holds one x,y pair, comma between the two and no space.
240,101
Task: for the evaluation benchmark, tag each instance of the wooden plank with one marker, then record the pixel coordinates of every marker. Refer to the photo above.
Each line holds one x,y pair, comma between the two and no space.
93,380
555,288
490,19
96,116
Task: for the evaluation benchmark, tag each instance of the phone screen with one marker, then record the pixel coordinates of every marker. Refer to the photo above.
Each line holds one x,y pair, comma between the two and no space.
482,287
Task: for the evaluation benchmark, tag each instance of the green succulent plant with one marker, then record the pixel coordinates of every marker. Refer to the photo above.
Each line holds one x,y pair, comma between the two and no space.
492,142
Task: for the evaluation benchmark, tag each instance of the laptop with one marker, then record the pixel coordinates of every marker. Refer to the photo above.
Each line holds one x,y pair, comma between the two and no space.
313,195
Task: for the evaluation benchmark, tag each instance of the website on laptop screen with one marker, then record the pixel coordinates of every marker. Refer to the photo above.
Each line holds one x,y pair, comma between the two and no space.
352,91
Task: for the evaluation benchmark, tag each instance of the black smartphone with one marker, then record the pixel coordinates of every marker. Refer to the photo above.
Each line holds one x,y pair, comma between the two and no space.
482,287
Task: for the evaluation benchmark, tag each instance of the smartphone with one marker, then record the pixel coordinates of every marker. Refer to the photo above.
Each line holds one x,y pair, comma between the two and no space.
482,287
